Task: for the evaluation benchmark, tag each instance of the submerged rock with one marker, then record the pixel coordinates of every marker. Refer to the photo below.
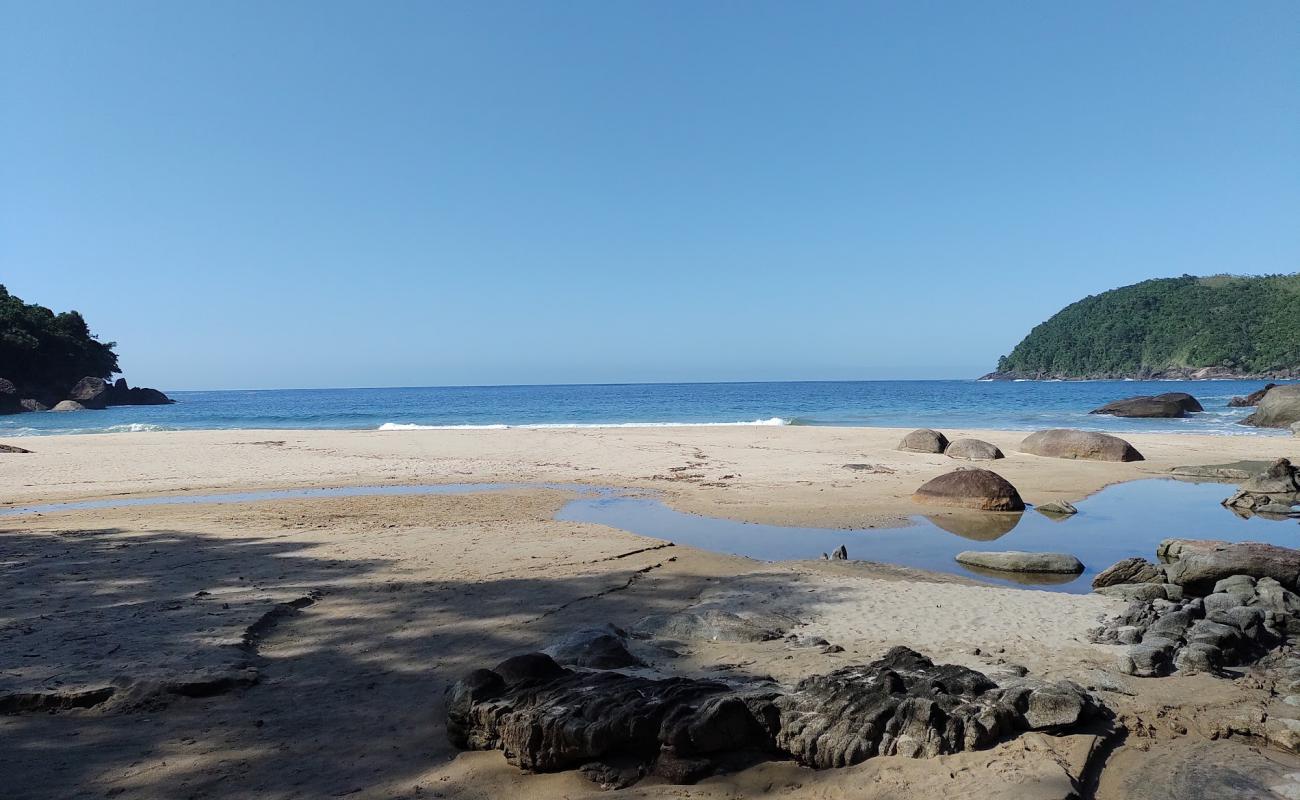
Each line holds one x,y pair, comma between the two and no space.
973,450
1020,561
924,440
618,728
971,488
1069,443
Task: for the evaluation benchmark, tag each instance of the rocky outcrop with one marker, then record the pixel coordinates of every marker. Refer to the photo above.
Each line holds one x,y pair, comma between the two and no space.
1021,561
1278,408
1143,407
1198,565
618,728
120,394
1189,403
1251,399
970,488
87,393
973,450
924,440
1069,443
1130,570
1233,471
90,393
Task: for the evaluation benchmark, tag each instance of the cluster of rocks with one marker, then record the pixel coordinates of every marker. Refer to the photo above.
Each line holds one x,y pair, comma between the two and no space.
1279,407
618,727
1167,405
1276,491
87,393
1205,606
926,440
1251,400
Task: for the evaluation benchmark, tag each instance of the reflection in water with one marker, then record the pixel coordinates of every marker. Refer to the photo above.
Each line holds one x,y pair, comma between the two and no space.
979,526
1039,579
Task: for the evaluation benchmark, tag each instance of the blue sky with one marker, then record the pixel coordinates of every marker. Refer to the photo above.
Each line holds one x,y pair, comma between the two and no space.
412,193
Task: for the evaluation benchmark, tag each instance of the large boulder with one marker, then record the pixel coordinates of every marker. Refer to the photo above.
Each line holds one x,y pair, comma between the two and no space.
1278,408
973,450
970,488
1020,561
120,394
1069,443
1280,478
68,405
1143,407
1129,570
1251,399
1190,404
1198,565
90,393
924,440
10,402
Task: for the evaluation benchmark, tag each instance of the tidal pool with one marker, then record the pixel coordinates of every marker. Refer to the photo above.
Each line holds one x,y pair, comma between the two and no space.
1124,520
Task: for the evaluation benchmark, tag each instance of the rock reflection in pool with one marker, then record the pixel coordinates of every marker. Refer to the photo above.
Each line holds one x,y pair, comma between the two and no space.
1124,520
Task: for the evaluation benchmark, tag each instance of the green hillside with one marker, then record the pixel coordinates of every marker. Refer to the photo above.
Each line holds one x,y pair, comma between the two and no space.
1169,327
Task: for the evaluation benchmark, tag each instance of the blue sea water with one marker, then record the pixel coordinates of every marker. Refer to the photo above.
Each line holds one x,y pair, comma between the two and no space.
950,404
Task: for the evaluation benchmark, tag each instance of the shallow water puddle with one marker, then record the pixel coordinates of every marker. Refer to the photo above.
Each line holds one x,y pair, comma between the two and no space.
1125,520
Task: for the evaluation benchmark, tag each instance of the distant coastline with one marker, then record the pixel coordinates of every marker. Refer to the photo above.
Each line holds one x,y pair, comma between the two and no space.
1176,374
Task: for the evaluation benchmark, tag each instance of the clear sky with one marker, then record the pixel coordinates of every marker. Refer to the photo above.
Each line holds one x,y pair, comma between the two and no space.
297,194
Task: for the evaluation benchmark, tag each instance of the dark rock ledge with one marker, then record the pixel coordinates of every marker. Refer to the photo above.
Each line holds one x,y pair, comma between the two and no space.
618,727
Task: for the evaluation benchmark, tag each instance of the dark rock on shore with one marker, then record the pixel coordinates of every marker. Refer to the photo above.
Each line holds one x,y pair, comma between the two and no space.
618,728
970,487
8,448
87,393
973,450
1143,408
120,394
1278,408
924,440
90,393
1251,399
1069,443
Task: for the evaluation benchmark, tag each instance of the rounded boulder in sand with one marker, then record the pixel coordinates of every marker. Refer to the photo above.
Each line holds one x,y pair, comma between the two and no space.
974,488
973,450
1278,408
1021,561
924,440
1088,445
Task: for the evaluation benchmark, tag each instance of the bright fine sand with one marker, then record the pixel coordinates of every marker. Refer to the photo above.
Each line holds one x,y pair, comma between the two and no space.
357,613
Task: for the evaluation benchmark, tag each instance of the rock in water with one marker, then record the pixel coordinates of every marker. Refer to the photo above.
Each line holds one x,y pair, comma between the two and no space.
1130,570
1058,508
924,440
1251,399
1020,561
841,554
619,727
90,393
1190,404
973,450
1068,443
971,488
1278,408
68,405
1143,407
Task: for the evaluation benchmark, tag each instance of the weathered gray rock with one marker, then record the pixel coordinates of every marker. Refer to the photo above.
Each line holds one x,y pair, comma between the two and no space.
1068,443
618,728
68,405
708,624
1197,565
1020,561
90,392
1135,591
973,450
1059,508
1280,478
970,488
1233,471
595,648
1251,399
1143,407
1278,408
32,404
924,440
1129,570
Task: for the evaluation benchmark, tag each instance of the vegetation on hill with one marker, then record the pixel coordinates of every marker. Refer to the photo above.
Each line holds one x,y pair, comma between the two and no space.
39,348
1169,327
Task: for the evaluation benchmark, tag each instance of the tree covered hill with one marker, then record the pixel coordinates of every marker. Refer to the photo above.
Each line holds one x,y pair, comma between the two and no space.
42,350
1220,326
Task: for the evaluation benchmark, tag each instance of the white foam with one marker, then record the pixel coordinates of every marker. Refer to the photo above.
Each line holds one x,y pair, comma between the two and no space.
409,426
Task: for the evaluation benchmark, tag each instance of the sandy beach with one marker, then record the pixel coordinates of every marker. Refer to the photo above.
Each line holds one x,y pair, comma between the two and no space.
302,648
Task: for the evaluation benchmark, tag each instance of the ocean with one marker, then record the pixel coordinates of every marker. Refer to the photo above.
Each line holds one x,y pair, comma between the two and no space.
1025,405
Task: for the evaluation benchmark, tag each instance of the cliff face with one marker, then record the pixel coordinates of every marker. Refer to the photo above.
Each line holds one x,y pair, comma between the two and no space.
1173,328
